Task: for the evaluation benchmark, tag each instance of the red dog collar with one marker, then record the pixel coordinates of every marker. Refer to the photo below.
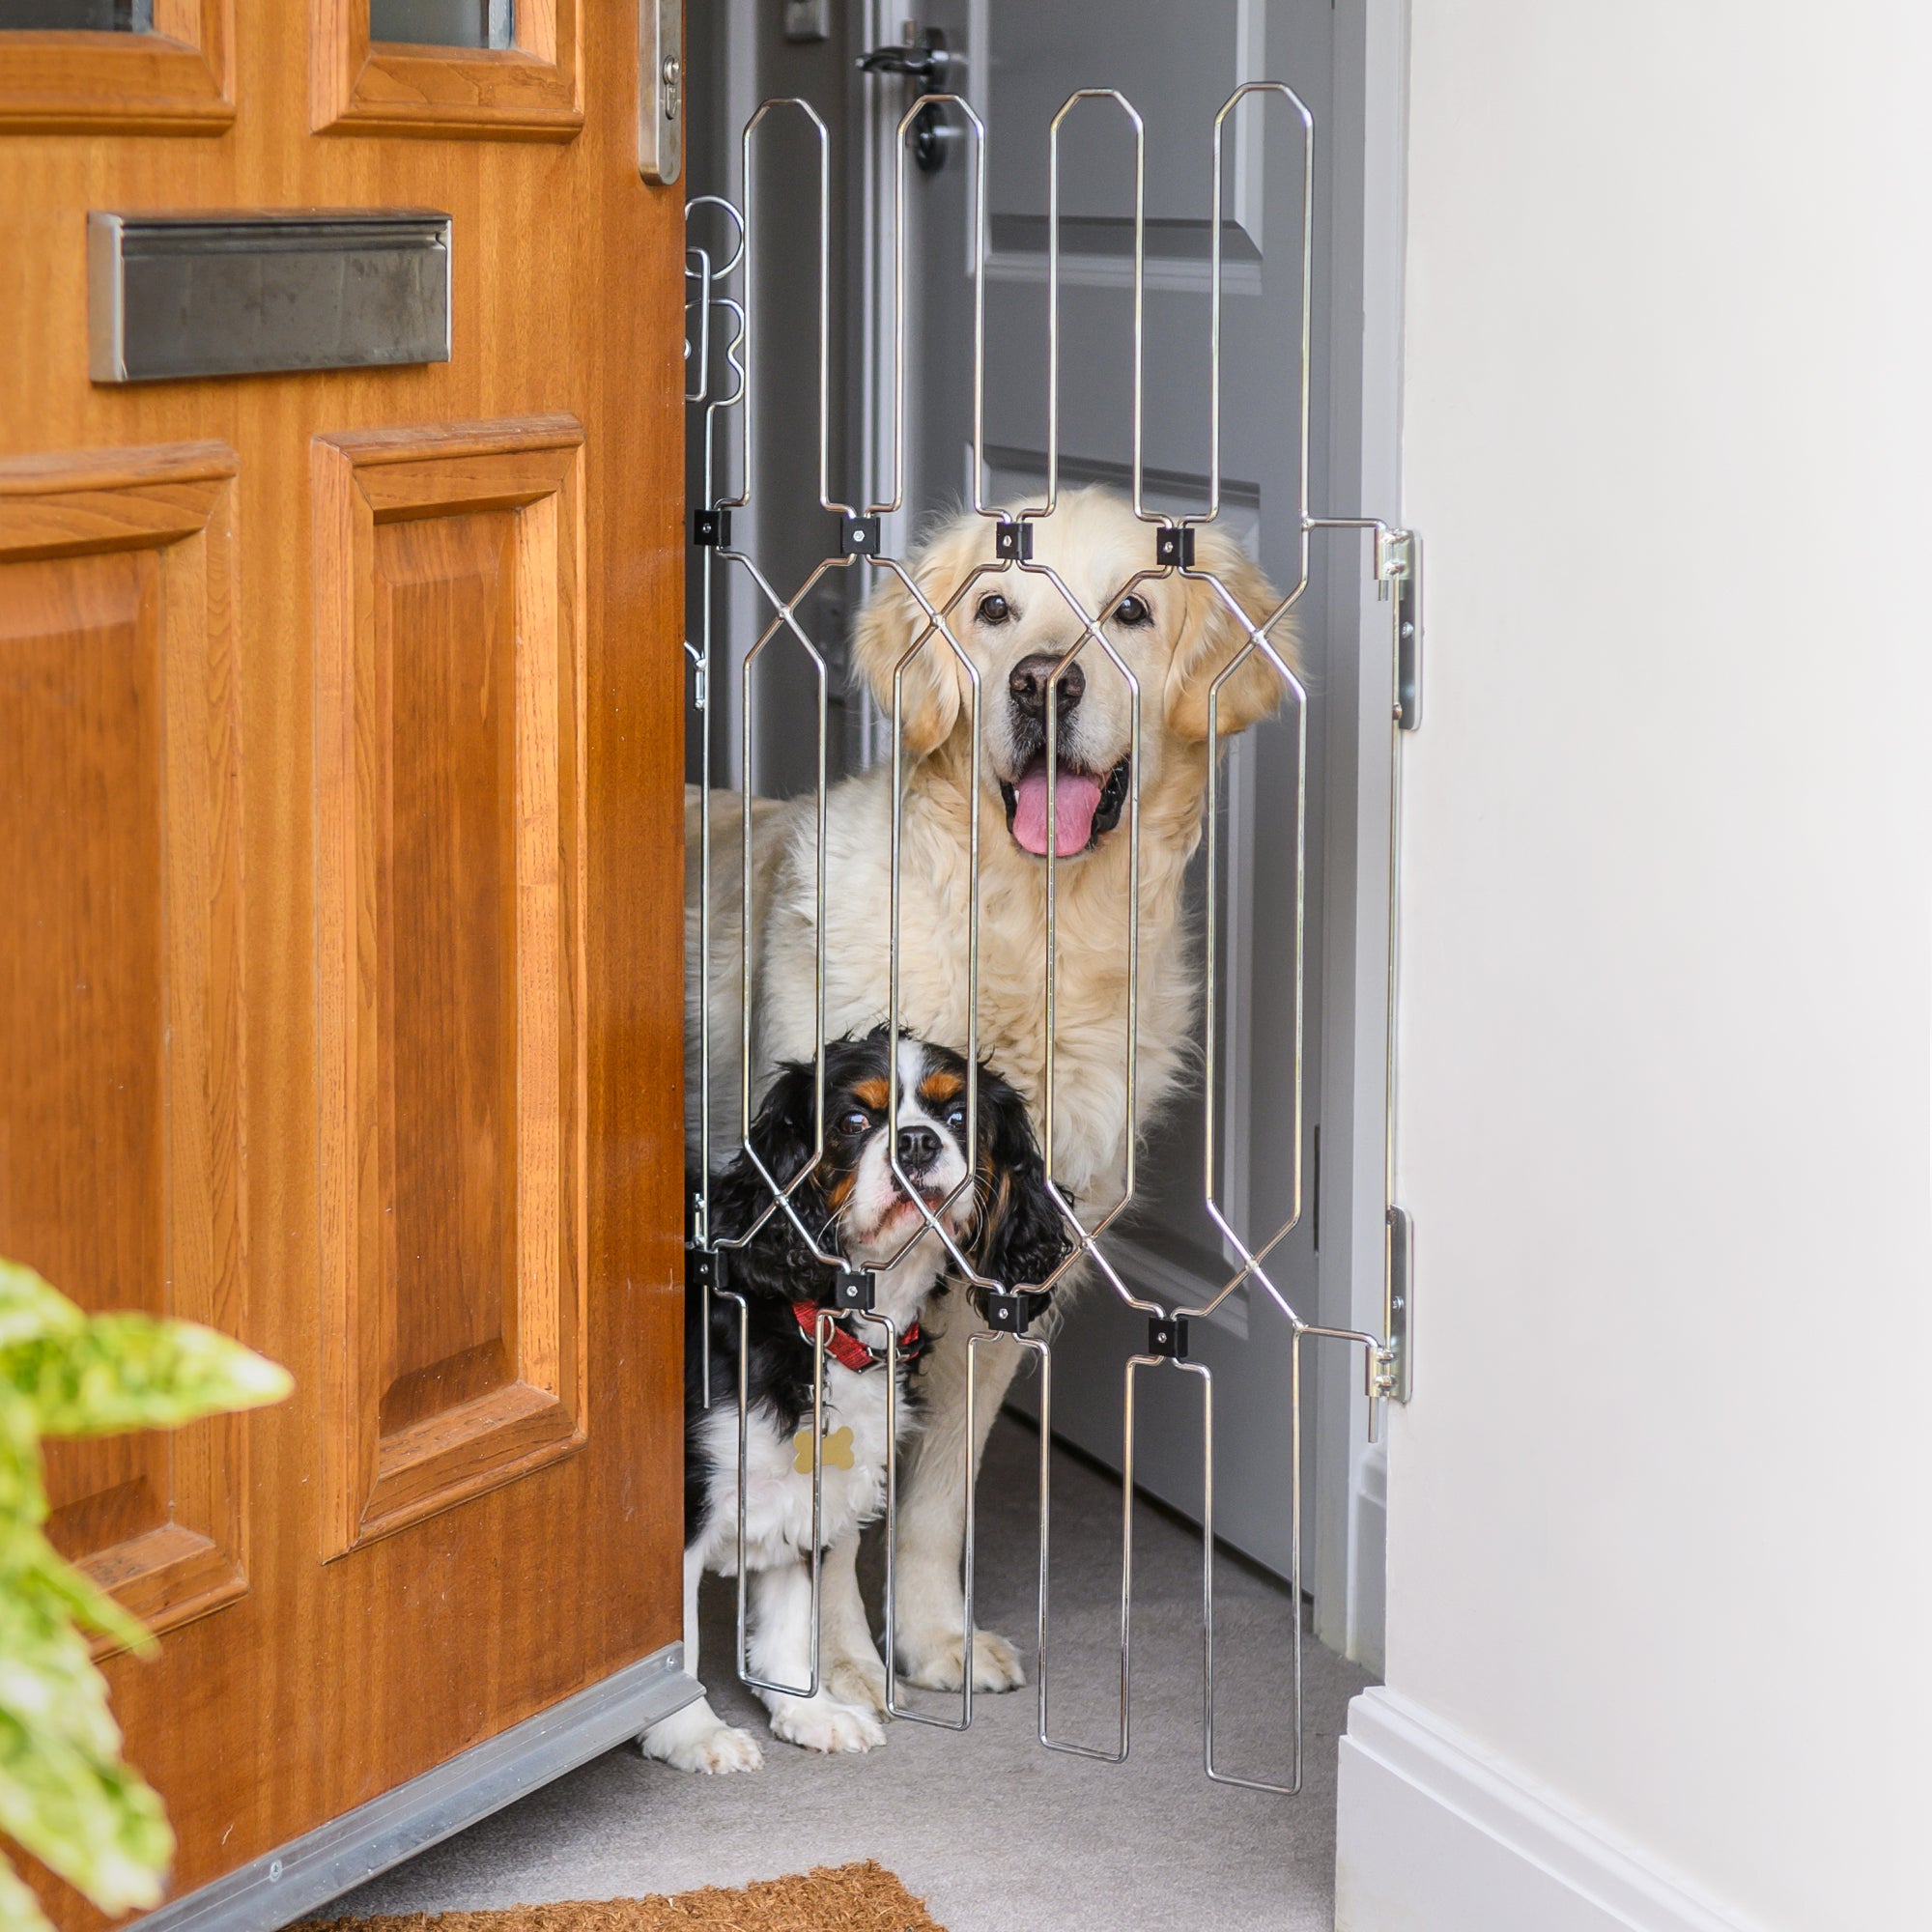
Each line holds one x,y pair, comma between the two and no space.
844,1346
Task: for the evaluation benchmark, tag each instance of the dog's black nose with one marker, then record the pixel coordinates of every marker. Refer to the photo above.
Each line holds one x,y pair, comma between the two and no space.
1030,678
919,1149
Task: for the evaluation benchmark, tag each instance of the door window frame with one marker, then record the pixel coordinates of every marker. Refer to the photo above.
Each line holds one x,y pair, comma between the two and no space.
179,80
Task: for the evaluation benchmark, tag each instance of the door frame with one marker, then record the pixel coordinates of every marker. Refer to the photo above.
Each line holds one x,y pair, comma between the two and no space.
1368,148
1371,171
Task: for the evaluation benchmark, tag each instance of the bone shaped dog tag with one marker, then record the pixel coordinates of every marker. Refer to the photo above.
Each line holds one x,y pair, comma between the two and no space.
837,1450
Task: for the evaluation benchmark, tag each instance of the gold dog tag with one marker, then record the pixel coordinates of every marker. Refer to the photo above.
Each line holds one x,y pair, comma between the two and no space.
837,1450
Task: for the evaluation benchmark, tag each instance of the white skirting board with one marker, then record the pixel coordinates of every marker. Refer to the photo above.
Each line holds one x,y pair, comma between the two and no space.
1434,1835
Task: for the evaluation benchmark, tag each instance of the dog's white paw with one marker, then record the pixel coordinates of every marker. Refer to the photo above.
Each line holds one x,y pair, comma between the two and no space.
714,1748
935,1661
858,1681
820,1724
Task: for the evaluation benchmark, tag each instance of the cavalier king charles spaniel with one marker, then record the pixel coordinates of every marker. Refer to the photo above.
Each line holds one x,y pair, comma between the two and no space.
996,1207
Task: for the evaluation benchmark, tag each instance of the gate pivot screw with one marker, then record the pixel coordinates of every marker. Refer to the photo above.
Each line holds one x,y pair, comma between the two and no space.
1381,1378
853,1289
1167,1335
1173,546
1012,543
858,536
710,529
1012,1312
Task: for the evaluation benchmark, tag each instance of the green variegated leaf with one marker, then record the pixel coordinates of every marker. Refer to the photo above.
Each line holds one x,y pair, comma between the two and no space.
19,1909
23,1504
95,1822
30,1308
125,1372
70,1594
48,1680
64,1795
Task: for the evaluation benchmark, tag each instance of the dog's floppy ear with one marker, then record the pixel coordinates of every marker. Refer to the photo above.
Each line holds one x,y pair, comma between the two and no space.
1021,1235
781,1133
782,1137
1212,636
935,691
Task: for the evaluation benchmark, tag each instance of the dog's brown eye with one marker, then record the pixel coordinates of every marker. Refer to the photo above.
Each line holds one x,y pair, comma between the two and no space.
955,1118
993,609
1133,610
857,1121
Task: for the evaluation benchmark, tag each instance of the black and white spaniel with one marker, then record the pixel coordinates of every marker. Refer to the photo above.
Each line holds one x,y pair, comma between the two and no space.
1006,1226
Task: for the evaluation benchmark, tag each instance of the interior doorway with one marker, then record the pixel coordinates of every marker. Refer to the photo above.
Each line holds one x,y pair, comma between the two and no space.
1016,67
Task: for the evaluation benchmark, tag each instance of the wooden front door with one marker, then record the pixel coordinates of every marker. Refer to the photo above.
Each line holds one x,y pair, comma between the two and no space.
340,867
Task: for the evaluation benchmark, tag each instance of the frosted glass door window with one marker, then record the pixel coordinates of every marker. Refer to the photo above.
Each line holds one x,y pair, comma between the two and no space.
438,23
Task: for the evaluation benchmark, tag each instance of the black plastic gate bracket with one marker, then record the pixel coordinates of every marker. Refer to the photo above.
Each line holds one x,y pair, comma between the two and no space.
710,529
1174,547
706,1267
858,536
1012,543
1167,1337
854,1290
1013,1312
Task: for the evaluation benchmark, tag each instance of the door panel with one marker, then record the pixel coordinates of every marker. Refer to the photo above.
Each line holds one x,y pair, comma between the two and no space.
450,798
119,1009
359,694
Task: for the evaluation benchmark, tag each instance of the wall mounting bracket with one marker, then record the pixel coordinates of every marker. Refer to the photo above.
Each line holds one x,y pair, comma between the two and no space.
1390,1368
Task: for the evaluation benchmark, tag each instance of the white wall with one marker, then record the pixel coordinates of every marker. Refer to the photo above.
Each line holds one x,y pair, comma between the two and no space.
1662,1507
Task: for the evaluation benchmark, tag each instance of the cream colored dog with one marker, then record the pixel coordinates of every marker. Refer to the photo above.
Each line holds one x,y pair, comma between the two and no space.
1177,636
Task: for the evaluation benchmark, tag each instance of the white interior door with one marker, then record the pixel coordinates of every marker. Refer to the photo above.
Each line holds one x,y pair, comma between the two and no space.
1017,64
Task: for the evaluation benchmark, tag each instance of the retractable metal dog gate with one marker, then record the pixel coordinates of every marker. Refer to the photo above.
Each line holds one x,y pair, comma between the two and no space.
721,384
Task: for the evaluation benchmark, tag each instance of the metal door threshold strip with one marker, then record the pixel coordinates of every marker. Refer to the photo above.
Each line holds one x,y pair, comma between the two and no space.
722,382
295,1878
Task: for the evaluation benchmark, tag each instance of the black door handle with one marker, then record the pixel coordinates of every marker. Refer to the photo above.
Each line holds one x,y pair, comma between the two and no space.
920,64
923,68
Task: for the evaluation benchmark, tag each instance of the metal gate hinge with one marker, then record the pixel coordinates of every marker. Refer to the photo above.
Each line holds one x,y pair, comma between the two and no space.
1398,567
1389,1367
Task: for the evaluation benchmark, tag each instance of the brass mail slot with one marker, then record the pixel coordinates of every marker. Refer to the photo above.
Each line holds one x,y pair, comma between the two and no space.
248,295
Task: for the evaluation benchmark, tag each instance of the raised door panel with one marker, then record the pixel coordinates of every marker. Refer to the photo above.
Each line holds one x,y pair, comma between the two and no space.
120,996
449,677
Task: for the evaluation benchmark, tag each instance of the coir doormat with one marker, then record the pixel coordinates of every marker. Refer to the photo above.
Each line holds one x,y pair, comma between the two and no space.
830,1898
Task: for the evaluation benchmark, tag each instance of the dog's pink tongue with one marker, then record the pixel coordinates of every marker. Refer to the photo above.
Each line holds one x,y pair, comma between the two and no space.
1075,801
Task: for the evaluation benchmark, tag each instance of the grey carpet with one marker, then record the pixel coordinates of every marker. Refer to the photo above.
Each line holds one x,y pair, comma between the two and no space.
989,1829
